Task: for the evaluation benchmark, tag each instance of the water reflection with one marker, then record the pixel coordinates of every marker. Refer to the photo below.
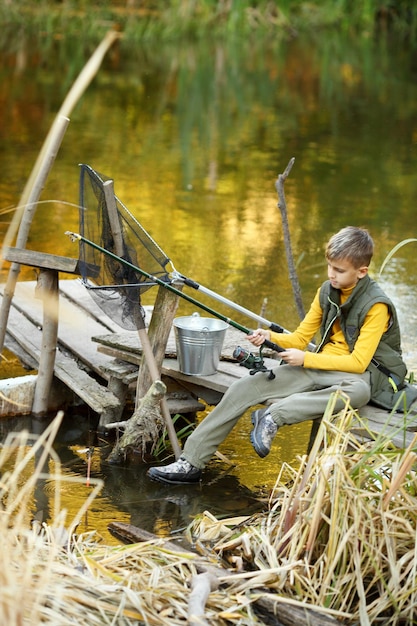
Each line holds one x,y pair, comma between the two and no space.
163,509
129,496
194,136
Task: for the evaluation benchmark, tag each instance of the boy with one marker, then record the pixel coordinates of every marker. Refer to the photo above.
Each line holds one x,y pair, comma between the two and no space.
359,353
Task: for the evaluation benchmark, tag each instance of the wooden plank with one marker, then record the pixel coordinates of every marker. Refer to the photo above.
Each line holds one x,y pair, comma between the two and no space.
210,396
66,369
120,354
47,261
390,420
41,260
76,292
401,439
226,374
183,403
120,369
129,344
16,349
395,427
75,328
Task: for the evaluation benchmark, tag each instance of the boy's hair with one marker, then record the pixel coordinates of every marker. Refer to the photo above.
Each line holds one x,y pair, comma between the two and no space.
351,243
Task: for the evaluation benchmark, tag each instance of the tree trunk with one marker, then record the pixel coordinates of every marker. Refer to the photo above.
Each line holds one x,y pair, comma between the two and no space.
142,430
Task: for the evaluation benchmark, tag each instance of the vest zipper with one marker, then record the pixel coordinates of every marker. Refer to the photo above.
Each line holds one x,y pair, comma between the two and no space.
330,324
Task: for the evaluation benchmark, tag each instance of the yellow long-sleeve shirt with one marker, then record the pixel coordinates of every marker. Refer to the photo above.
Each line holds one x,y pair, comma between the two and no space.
335,354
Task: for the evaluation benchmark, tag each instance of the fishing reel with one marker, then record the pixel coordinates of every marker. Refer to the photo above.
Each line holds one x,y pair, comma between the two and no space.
251,361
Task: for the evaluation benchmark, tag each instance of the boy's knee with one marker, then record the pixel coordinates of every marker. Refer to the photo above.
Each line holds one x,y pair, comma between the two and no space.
361,394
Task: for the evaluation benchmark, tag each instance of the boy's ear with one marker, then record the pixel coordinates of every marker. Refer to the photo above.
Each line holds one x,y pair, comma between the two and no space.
362,271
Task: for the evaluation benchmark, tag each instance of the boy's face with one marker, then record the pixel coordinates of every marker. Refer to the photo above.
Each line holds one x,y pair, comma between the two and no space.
342,274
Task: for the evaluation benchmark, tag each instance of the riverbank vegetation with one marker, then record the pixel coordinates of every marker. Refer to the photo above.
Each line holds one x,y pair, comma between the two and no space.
335,545
141,20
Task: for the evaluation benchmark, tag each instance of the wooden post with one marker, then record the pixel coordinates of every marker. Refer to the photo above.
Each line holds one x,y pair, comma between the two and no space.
143,335
282,205
114,414
164,310
48,289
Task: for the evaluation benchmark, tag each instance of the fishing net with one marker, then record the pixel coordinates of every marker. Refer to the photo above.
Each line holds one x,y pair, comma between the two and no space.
120,260
115,286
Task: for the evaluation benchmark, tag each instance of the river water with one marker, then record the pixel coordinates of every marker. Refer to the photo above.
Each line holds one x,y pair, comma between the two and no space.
194,137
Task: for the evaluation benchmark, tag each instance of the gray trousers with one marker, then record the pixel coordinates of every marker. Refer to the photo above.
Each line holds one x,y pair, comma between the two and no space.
300,393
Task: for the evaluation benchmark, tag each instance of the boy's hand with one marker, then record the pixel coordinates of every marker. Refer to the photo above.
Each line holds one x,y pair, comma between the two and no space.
292,356
258,336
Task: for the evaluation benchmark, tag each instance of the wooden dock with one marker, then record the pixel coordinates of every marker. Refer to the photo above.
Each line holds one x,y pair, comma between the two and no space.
93,352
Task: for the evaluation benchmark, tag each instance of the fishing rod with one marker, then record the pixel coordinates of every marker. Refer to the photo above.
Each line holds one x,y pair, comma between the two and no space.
131,226
189,282
77,237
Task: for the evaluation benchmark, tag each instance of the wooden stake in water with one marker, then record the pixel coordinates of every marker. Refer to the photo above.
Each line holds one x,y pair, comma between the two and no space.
90,452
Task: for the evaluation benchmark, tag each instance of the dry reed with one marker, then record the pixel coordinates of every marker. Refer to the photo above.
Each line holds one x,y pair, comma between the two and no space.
342,530
339,536
51,575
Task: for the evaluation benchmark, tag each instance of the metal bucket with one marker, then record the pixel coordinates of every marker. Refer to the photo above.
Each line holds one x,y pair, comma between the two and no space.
199,343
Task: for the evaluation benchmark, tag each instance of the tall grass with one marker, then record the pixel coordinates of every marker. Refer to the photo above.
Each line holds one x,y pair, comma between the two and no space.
338,536
345,524
184,18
